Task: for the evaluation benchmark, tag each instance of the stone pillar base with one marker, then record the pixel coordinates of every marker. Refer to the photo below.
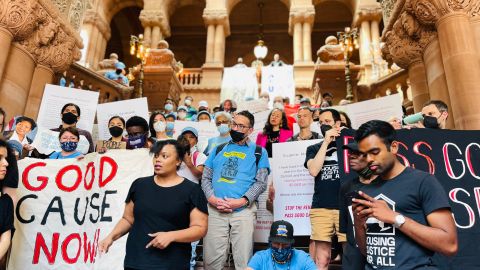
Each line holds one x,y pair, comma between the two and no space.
303,73
212,75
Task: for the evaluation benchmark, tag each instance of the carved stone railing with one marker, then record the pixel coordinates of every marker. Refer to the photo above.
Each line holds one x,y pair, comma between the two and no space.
190,77
81,77
393,83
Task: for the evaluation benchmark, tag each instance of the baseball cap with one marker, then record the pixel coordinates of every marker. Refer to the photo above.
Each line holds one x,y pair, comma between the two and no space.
182,108
353,146
119,65
190,129
305,99
203,103
281,232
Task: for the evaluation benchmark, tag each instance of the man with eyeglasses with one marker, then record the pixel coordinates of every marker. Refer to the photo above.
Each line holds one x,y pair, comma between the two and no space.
235,174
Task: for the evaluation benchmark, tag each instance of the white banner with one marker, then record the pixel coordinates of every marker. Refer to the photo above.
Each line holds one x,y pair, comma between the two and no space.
125,109
239,83
264,217
278,81
253,106
67,206
260,119
206,130
54,97
47,141
294,186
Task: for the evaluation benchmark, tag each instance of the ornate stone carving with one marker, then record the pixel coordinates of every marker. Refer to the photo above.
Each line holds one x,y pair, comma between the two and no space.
300,14
387,8
161,56
108,64
370,13
92,17
428,12
331,52
75,15
19,17
217,17
155,18
62,5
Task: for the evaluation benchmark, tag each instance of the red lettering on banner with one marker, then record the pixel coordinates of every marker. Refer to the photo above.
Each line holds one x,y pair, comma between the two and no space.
404,159
469,159
60,174
42,179
448,165
89,249
471,215
40,243
346,158
90,167
416,150
65,247
476,191
114,167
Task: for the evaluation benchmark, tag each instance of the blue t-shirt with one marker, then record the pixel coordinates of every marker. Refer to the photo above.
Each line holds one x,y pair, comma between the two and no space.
214,142
58,155
300,260
234,169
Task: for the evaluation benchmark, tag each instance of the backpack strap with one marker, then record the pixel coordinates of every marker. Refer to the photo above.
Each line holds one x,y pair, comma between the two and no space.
220,148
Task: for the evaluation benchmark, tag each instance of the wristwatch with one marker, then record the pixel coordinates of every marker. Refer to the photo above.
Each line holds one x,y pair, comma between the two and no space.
399,220
248,201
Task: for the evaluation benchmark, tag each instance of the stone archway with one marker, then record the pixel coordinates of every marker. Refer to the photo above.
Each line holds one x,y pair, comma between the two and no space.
244,20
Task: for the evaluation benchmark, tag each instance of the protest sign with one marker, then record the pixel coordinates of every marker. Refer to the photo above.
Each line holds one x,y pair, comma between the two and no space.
454,158
278,81
264,217
239,83
55,97
124,109
253,106
206,130
374,109
111,145
47,141
66,207
294,186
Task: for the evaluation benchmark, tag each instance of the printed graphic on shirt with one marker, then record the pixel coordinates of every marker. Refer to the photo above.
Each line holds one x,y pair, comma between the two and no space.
330,172
230,167
381,239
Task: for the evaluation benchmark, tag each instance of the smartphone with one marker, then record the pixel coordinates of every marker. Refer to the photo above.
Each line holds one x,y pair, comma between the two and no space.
353,195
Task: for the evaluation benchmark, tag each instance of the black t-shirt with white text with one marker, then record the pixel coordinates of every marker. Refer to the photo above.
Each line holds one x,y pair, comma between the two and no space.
352,258
327,182
414,194
161,209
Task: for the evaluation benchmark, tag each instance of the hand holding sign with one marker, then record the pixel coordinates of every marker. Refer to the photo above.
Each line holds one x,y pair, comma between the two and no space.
161,240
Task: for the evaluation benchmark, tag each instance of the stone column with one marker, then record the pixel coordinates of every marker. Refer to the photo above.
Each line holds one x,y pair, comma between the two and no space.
92,45
219,48
307,42
365,41
210,43
297,42
437,82
16,80
156,36
41,76
475,25
462,69
375,33
418,82
5,42
147,34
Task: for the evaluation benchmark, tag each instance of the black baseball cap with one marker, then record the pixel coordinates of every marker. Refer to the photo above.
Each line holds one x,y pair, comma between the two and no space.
281,232
353,146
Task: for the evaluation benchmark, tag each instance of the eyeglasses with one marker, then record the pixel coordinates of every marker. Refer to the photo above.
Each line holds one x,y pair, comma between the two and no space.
222,122
239,126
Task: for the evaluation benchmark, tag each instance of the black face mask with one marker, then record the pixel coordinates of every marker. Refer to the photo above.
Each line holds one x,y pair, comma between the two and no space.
366,173
116,131
324,128
69,118
237,136
118,71
430,122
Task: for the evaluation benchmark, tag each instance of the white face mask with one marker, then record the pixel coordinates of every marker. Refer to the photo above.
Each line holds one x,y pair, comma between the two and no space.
205,121
188,102
159,126
182,115
278,105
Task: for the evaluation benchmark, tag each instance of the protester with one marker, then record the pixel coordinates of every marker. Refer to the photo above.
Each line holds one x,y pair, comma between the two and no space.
265,96
70,117
346,122
322,163
305,102
204,116
215,109
235,174
68,138
278,103
435,114
280,253
304,121
328,97
227,106
137,130
223,121
22,128
352,258
276,130
169,129
411,224
118,75
168,106
2,120
157,126
298,97
395,122
116,127
193,162
159,233
191,111
202,106
316,114
8,170
182,113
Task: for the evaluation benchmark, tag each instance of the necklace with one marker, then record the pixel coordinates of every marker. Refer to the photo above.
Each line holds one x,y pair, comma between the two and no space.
274,262
307,138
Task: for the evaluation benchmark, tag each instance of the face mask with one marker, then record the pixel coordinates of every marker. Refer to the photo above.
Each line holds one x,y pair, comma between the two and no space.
69,146
223,129
237,136
324,128
281,255
135,142
366,173
168,107
116,131
278,105
69,118
204,121
159,126
169,129
188,102
430,122
182,115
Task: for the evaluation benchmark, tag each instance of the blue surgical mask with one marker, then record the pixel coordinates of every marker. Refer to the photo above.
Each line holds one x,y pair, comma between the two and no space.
135,142
69,146
168,107
169,129
281,255
223,129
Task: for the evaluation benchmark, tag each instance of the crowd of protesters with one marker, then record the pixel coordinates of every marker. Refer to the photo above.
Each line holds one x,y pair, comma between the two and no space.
213,192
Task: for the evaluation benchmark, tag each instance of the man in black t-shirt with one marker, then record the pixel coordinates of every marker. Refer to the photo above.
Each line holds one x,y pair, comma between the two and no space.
352,258
322,163
404,217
